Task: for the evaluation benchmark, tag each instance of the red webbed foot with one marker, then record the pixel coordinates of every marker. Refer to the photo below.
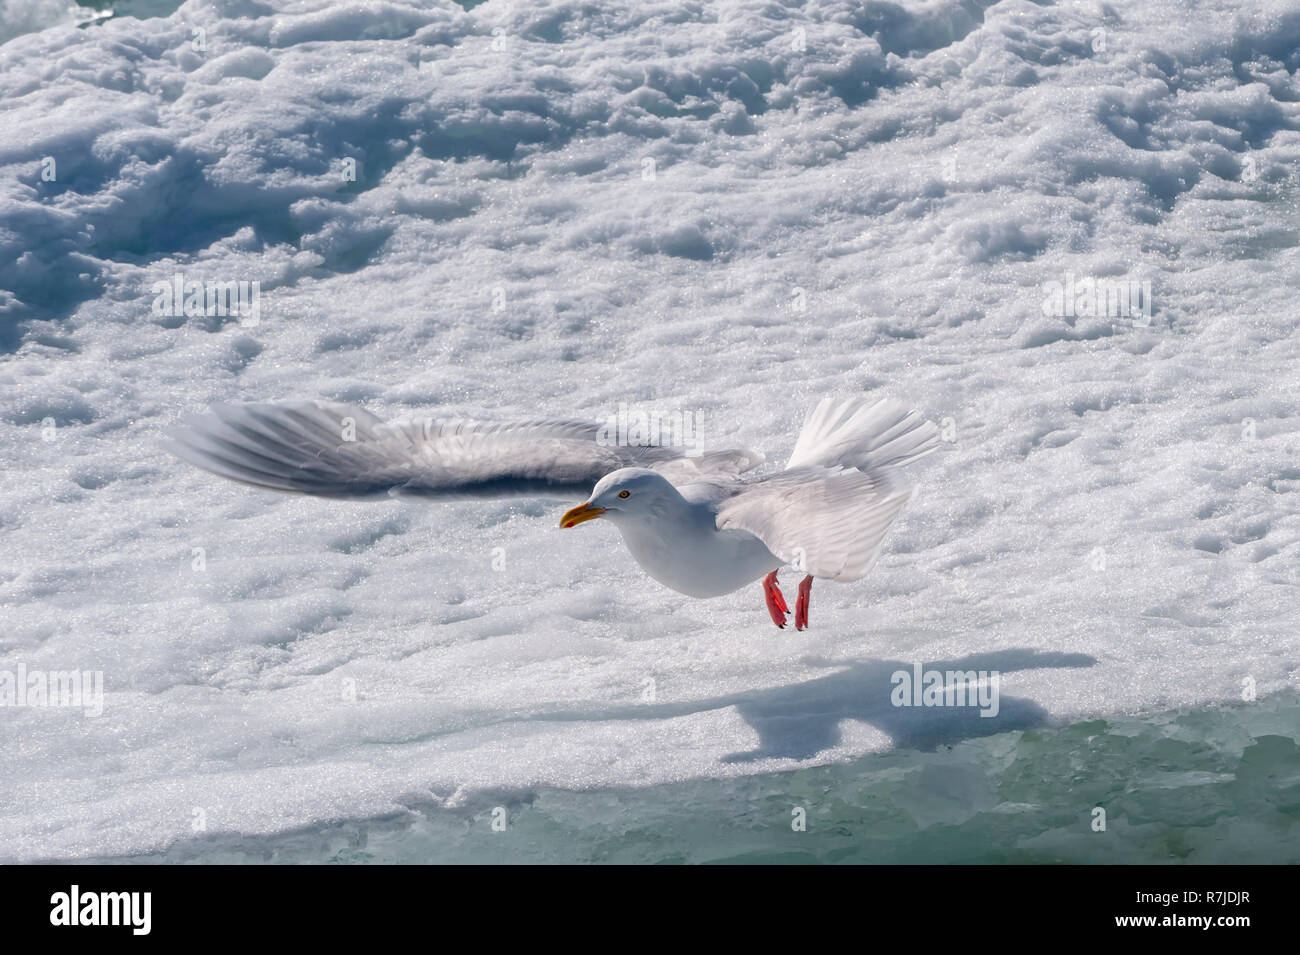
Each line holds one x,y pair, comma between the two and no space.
801,603
776,604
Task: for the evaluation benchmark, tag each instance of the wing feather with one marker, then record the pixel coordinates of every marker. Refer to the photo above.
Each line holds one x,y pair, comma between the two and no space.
343,451
829,511
859,433
828,522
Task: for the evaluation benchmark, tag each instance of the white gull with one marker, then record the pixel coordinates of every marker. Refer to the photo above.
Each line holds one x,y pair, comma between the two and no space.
697,524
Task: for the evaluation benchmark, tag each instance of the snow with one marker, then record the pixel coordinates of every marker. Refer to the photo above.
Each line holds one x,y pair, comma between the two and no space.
728,209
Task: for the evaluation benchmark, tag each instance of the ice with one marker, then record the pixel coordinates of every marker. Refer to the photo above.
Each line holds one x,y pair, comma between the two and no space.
730,209
1213,786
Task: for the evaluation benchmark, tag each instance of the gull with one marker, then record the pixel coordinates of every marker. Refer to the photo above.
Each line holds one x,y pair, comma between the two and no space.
697,523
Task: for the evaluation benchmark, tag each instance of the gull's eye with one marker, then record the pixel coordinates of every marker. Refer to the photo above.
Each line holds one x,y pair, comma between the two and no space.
625,494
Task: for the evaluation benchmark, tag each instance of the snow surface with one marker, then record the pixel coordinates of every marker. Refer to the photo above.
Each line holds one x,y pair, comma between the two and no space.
729,209
1215,785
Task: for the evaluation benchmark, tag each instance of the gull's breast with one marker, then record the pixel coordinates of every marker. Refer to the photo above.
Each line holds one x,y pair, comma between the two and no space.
694,558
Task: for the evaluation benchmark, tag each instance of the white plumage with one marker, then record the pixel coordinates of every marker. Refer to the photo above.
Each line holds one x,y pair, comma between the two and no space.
698,524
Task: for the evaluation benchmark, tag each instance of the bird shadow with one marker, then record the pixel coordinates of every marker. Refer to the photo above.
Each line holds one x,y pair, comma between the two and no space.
802,720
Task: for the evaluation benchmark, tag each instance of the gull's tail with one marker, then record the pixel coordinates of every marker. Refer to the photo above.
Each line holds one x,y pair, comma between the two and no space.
863,434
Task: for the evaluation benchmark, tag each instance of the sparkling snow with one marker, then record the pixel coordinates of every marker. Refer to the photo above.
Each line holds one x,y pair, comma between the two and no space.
728,209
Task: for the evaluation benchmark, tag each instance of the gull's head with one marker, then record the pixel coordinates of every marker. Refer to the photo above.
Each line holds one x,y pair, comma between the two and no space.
626,494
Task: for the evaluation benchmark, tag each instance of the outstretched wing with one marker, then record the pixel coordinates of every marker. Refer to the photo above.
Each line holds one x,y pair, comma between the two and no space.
829,511
828,522
857,432
343,451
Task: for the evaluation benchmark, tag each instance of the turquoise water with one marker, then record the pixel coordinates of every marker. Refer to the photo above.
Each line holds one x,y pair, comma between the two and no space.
1214,785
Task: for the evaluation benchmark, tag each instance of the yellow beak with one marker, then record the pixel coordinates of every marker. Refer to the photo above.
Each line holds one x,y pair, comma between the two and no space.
583,512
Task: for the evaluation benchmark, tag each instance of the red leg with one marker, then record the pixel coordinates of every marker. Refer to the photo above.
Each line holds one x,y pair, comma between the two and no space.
801,604
776,604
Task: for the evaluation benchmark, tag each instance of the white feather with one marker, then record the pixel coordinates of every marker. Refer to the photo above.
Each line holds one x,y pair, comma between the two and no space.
857,433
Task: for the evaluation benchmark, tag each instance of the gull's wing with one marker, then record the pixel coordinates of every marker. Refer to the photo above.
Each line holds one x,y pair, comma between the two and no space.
343,451
828,522
828,512
857,432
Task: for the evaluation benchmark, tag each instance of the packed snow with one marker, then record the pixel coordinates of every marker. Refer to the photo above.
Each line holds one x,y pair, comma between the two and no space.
726,210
